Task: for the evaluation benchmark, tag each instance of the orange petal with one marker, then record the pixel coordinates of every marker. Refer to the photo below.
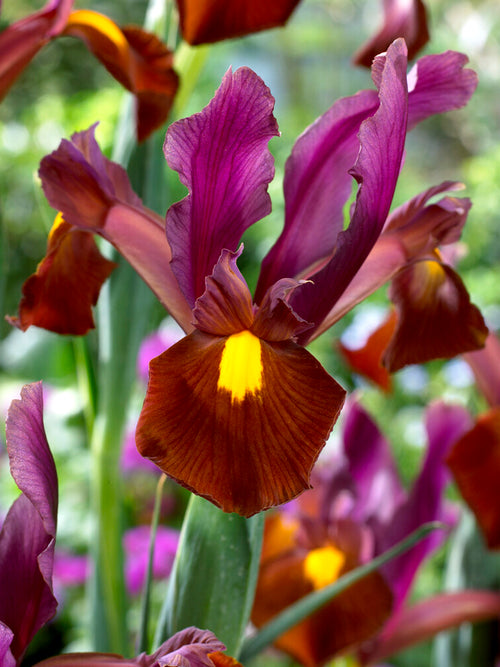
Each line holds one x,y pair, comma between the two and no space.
475,464
220,659
205,21
60,295
435,316
367,360
137,59
342,623
279,535
241,426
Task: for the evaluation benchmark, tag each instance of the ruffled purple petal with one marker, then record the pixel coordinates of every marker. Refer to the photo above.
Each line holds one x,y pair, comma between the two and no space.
377,168
222,157
226,304
317,185
187,648
444,424
28,532
439,83
414,229
275,320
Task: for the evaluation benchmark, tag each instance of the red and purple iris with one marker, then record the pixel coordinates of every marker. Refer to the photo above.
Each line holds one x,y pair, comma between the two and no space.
238,410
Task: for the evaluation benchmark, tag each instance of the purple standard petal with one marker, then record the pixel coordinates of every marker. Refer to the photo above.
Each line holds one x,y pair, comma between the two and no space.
317,185
444,424
376,170
414,229
28,532
371,466
222,157
439,83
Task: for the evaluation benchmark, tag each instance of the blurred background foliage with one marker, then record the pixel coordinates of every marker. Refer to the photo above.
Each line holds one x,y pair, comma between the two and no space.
307,66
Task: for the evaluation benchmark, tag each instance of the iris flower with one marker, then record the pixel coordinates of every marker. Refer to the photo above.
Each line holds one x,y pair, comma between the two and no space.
27,541
357,509
238,410
136,58
432,316
402,18
205,21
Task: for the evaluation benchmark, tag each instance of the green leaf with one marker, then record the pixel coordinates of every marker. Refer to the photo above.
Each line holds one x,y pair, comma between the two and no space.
213,580
312,602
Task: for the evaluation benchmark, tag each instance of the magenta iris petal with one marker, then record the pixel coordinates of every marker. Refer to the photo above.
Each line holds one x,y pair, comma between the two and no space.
412,230
377,168
222,157
28,532
317,185
444,424
371,466
439,83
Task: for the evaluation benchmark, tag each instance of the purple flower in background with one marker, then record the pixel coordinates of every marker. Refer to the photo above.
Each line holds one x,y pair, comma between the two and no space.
73,570
358,509
136,544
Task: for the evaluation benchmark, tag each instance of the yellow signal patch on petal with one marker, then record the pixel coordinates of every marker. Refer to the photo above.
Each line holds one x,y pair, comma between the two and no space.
322,566
240,370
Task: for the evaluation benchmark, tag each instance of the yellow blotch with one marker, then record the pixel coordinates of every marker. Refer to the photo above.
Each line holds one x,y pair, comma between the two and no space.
322,566
58,221
240,370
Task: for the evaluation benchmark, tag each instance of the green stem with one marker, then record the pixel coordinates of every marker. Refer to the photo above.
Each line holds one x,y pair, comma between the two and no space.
146,597
312,602
86,379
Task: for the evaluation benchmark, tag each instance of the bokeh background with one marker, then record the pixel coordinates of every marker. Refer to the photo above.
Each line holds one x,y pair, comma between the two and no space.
307,66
